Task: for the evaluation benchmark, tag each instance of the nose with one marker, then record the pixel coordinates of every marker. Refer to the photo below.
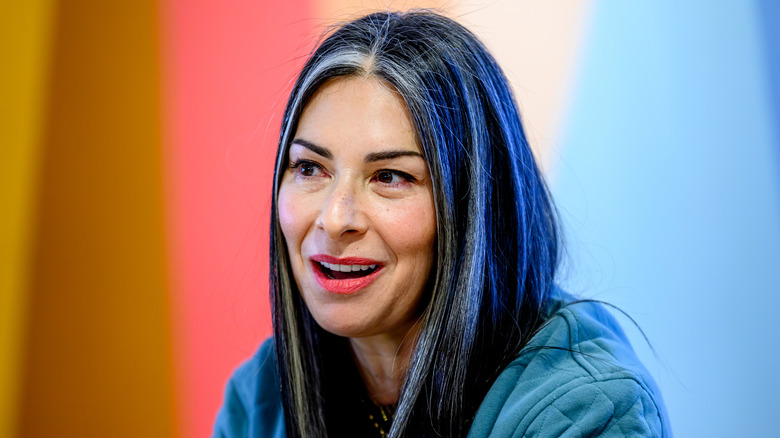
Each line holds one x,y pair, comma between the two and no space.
342,215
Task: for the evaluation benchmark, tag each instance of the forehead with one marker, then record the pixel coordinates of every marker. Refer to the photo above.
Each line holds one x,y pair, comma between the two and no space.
362,112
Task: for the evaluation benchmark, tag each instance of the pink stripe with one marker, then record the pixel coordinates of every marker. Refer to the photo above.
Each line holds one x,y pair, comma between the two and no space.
228,67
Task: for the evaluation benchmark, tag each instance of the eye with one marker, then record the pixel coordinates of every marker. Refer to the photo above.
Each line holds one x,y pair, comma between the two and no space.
386,177
392,177
306,168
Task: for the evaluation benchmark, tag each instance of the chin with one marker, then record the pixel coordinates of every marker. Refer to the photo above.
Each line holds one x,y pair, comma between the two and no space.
345,331
342,326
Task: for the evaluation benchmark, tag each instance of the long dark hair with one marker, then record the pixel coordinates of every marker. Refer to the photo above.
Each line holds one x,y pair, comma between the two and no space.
497,236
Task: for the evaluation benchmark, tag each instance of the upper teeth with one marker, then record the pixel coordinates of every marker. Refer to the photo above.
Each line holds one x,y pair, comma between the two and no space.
347,268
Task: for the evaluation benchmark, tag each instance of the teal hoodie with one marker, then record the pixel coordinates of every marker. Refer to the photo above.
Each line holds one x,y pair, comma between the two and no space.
577,377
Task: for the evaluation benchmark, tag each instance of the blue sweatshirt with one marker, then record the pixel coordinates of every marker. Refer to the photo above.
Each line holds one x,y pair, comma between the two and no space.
578,376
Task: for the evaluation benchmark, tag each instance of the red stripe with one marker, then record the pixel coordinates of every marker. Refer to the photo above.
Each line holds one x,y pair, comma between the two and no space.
228,67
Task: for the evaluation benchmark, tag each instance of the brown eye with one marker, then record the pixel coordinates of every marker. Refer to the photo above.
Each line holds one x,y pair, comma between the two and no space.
307,169
392,178
385,177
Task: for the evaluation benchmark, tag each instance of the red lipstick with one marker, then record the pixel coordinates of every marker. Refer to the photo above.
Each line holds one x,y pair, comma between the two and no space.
349,282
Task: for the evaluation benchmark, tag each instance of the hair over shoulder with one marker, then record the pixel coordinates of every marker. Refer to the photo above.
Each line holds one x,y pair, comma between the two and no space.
497,241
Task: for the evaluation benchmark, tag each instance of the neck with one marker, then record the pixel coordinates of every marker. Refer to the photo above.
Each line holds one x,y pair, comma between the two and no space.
382,361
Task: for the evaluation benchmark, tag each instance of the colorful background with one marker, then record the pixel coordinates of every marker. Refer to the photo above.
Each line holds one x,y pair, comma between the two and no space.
135,169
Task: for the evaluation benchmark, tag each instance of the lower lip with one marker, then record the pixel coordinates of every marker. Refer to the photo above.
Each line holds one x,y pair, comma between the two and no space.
343,286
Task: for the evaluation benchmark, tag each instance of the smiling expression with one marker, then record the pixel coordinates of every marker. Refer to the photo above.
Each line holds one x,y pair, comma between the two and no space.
356,210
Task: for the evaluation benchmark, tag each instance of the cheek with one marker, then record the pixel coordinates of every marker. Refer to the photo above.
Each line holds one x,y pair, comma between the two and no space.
412,230
292,219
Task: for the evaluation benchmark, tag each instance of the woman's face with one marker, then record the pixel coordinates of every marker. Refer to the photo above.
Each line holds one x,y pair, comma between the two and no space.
356,209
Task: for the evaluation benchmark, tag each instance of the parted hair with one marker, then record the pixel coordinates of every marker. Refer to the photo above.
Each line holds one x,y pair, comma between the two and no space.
497,238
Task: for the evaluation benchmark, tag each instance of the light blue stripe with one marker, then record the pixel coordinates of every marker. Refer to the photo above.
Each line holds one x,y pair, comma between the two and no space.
670,188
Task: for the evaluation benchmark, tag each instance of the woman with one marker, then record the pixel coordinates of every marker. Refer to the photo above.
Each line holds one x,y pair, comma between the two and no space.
413,251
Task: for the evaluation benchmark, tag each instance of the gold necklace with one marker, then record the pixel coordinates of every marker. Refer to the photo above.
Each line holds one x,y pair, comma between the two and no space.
383,420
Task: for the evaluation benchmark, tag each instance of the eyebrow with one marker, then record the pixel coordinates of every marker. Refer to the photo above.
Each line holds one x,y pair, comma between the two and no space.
370,157
319,150
389,155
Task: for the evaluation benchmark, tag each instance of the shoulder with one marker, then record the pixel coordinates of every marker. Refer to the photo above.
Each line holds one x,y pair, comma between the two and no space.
253,402
578,376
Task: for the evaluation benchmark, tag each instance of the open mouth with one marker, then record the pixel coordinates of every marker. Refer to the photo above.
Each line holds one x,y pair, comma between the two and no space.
342,272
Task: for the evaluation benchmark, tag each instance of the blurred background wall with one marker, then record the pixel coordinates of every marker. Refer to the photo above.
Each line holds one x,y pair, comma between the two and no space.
135,169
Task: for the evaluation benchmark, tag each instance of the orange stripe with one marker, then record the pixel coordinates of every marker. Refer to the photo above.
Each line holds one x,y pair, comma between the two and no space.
98,359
